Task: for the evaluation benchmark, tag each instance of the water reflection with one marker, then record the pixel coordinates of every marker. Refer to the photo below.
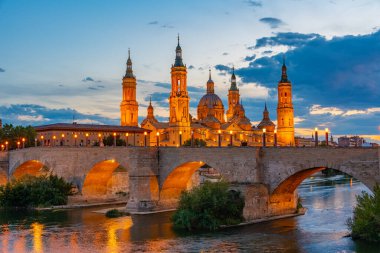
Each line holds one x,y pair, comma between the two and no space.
329,201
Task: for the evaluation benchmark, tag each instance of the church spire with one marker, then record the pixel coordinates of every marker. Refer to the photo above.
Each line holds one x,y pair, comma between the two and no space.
129,72
284,75
233,80
178,55
210,83
265,112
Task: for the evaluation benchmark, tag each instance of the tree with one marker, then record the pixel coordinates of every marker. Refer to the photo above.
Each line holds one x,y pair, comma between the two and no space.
366,221
197,143
209,206
109,141
13,134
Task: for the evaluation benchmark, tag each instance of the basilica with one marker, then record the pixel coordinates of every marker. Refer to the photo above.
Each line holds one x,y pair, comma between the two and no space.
214,124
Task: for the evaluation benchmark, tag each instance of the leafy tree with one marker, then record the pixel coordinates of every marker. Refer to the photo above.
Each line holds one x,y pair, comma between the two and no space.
366,221
13,134
31,191
197,143
209,206
109,141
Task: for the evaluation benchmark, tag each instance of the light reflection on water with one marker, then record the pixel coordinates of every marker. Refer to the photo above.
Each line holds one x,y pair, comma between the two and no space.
329,204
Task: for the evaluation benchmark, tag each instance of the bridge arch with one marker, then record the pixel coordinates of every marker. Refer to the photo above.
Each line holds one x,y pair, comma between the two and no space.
31,167
289,184
182,178
3,178
105,178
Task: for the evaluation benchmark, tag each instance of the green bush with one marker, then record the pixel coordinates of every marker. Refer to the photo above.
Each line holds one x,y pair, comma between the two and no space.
31,191
366,222
209,206
197,143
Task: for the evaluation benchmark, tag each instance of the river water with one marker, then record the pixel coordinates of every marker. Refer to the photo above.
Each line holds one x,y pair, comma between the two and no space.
322,229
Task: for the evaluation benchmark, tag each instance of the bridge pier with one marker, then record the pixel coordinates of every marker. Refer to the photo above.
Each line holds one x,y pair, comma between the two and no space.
144,194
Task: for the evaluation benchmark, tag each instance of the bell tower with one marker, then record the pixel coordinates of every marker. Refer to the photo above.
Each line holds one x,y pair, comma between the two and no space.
129,107
285,111
233,96
179,116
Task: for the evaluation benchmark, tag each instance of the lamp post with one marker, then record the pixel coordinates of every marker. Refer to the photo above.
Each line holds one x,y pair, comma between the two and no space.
2,147
275,137
219,138
180,138
327,136
18,145
6,145
75,139
86,138
35,142
127,137
99,139
192,138
316,136
145,134
63,139
42,140
158,139
23,142
114,139
264,137
54,138
231,136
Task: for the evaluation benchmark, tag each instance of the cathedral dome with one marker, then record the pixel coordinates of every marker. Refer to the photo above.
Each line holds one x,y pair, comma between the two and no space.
211,100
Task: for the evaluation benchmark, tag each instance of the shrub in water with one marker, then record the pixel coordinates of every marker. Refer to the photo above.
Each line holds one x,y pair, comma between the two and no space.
209,206
114,213
30,191
366,222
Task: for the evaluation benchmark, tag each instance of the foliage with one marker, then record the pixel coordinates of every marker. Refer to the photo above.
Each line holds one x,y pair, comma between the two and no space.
13,134
197,143
31,191
114,213
109,141
366,222
209,206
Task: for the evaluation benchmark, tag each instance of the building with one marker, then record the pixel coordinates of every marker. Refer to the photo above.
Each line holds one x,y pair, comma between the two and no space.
213,124
86,135
353,141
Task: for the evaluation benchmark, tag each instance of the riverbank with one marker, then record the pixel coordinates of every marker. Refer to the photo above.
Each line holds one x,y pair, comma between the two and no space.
82,205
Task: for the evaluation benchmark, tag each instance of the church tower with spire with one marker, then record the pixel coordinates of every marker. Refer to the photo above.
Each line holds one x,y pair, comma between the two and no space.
129,107
179,115
285,111
233,96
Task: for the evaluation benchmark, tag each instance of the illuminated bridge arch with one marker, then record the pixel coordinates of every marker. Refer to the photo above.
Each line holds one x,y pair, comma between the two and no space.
105,178
3,178
179,179
31,167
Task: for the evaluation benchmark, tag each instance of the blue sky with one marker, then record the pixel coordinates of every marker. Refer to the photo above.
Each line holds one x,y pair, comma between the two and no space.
60,59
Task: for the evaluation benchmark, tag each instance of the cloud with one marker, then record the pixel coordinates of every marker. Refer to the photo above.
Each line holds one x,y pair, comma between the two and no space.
318,110
163,85
167,26
153,23
225,53
32,114
191,67
272,22
90,79
250,58
290,39
2,70
221,67
254,3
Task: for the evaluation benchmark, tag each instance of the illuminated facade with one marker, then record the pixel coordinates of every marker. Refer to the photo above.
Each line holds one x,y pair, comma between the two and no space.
129,108
214,125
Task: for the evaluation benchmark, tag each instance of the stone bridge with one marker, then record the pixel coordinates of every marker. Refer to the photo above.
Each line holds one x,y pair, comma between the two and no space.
154,178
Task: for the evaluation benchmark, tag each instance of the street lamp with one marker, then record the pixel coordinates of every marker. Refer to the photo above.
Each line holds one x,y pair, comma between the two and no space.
127,136
99,138
158,139
18,145
54,138
327,136
192,138
23,142
264,137
231,136
75,139
316,136
180,138
6,145
42,140
114,139
2,147
63,141
145,134
219,139
275,137
86,138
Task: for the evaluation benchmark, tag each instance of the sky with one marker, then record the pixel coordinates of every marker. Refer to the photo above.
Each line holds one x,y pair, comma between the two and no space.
61,60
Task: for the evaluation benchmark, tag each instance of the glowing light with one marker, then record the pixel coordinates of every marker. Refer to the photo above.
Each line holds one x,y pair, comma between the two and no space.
6,143
23,139
75,136
54,137
145,133
158,134
99,135
87,134
219,131
63,135
114,134
264,130
127,134
180,132
37,237
230,131
42,137
275,131
326,130
316,129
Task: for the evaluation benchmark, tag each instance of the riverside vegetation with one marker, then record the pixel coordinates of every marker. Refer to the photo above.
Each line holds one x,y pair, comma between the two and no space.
208,207
365,224
32,191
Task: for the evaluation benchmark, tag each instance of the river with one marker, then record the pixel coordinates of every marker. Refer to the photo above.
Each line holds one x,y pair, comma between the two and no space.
322,229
